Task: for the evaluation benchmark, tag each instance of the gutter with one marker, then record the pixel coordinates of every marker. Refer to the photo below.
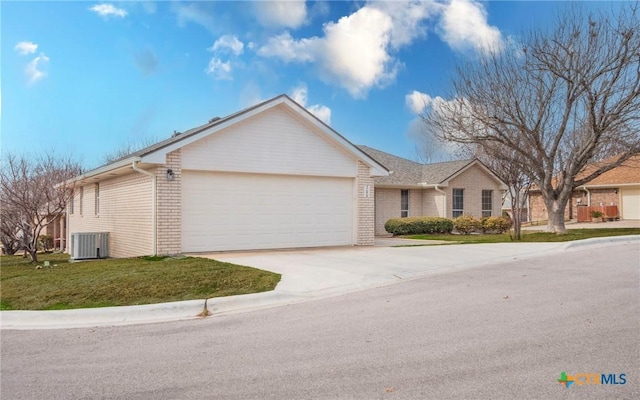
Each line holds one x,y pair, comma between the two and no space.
98,171
134,165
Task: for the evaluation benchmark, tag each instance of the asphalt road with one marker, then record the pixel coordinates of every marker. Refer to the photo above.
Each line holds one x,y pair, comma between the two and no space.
495,332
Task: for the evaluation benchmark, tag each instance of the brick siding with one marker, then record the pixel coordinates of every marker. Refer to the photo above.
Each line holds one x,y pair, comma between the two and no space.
366,204
169,205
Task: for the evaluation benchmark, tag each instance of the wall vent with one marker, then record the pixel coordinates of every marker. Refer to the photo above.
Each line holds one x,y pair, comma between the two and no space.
89,245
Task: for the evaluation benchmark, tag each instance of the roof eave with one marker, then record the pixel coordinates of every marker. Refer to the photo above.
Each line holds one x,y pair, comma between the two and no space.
95,173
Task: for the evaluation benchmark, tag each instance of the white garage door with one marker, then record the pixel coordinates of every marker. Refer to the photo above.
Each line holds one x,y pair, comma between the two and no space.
630,203
225,211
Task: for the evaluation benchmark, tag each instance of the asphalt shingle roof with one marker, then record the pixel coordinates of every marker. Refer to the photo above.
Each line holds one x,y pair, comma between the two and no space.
407,172
628,172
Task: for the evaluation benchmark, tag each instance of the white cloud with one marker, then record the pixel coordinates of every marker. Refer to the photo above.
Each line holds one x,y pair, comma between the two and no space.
464,26
193,13
108,10
224,45
418,101
287,48
322,112
407,18
358,51
281,14
228,43
355,52
25,48
34,71
219,69
299,95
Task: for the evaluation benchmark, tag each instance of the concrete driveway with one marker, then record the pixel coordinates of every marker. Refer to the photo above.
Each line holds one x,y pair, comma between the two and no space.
324,272
308,274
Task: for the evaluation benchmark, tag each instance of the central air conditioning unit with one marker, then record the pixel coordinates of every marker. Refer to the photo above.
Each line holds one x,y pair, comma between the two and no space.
86,245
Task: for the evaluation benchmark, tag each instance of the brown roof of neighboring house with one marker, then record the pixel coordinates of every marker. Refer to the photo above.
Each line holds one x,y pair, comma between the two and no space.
628,172
410,173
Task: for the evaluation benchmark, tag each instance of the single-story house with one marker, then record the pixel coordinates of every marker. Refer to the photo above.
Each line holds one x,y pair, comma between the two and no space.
270,176
618,187
445,189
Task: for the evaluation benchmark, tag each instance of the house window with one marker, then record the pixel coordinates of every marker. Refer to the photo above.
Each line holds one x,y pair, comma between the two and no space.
72,202
81,198
486,202
458,202
97,198
404,203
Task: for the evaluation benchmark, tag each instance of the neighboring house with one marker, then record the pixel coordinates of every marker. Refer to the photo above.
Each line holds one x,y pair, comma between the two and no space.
446,189
270,176
57,229
619,187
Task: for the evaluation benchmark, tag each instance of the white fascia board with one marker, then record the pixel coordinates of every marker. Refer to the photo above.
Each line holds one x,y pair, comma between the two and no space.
608,186
484,168
99,171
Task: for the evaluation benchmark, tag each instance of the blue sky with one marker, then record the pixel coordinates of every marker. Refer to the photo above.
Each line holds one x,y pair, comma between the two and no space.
87,77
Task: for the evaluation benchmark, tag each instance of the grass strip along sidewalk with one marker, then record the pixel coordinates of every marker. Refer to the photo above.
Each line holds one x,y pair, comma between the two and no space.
120,282
572,234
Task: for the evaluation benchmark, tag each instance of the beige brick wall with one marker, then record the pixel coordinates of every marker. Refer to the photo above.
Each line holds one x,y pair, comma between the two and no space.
169,206
125,211
433,203
366,213
604,196
474,181
388,205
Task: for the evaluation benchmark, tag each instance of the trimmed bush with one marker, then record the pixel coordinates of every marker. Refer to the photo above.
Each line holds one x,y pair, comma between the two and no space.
495,224
466,224
45,243
418,225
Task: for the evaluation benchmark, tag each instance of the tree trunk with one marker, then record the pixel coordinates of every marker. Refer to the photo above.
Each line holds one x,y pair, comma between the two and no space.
34,256
555,212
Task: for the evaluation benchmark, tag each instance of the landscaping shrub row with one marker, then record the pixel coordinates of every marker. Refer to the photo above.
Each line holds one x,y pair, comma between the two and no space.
418,225
463,224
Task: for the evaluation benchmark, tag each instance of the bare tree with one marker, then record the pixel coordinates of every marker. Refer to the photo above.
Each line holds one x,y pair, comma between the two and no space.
564,100
9,231
499,161
32,191
128,148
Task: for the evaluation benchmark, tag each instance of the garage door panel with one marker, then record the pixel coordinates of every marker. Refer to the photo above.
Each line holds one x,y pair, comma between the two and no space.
225,211
631,203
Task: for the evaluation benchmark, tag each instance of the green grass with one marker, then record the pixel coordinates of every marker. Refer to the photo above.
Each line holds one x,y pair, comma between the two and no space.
122,282
528,236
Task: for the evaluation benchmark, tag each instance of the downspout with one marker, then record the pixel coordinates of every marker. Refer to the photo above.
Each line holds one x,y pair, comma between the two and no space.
588,195
529,212
67,233
134,165
444,199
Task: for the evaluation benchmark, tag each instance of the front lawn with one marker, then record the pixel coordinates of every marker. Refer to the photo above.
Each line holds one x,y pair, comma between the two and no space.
572,234
122,282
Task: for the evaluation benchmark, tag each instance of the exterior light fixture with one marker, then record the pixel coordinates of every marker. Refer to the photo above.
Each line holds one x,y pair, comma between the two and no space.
170,174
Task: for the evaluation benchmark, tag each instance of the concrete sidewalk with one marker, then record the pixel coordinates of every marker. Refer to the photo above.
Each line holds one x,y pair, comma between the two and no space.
306,275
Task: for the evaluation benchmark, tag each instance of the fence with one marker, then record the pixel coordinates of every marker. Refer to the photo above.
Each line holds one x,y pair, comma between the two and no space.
608,212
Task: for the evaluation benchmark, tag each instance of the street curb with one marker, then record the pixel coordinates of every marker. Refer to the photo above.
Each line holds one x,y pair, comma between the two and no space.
601,241
219,306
